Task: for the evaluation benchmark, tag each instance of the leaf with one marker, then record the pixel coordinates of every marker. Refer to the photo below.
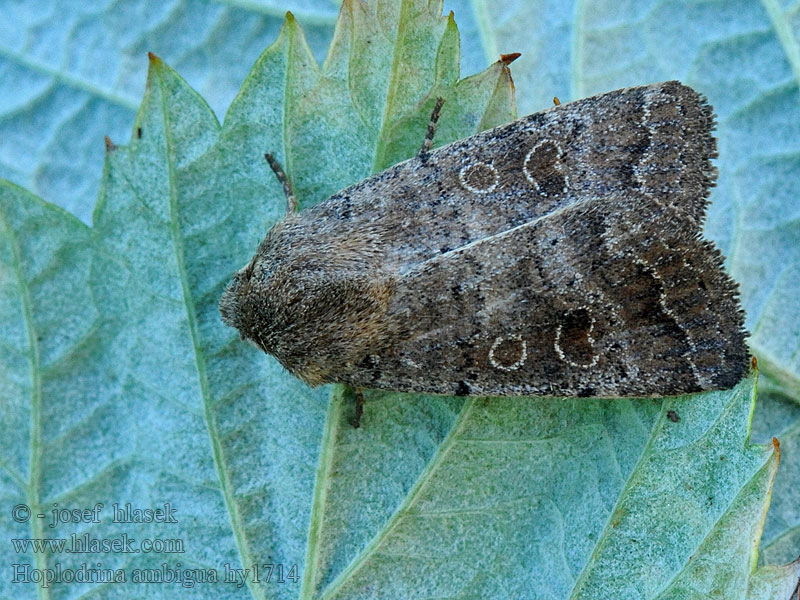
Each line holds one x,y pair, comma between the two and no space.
773,582
149,399
744,56
72,73
779,417
544,498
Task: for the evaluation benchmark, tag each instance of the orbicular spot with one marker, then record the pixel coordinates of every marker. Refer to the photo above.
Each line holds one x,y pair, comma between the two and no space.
543,168
508,353
478,178
574,342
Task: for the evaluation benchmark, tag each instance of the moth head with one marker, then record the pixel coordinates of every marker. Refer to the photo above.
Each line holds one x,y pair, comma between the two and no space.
251,302
238,305
316,305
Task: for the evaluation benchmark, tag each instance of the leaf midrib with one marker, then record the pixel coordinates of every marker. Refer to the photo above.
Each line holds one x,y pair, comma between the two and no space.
711,530
226,485
441,453
321,486
645,454
576,55
485,31
380,146
34,485
67,79
581,578
784,34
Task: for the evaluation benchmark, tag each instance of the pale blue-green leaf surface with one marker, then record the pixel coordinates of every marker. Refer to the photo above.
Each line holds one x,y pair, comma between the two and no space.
120,384
72,72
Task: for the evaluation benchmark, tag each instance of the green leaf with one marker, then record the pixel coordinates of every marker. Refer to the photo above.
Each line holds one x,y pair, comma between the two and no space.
779,416
49,324
773,582
71,73
120,383
561,498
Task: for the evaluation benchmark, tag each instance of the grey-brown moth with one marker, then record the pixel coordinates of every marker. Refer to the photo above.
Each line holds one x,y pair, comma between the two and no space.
560,254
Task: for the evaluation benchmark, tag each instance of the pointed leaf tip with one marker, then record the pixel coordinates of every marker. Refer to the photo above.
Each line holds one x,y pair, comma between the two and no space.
290,17
507,59
110,146
777,445
153,58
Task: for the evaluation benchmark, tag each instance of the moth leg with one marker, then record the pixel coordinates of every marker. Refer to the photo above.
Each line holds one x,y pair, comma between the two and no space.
359,408
428,142
291,200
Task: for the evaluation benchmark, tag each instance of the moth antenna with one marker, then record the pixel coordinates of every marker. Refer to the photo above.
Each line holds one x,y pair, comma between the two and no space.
428,142
291,200
556,101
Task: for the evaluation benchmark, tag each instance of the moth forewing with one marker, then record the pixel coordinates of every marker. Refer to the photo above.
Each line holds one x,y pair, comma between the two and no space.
558,254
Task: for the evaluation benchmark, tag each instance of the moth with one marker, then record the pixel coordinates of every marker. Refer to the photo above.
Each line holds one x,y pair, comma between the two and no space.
560,254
